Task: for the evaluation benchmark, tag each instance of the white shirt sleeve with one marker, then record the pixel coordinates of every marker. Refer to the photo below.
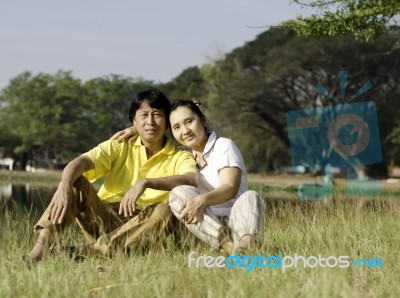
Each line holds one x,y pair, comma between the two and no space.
228,155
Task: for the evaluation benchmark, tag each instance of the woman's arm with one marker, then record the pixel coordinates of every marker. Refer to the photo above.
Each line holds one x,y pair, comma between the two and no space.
129,132
229,179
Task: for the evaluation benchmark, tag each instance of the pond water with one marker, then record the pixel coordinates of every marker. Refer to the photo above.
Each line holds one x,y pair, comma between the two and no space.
23,199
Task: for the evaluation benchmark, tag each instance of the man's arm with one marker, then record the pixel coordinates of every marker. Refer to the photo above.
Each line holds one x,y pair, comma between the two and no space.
168,183
64,193
127,206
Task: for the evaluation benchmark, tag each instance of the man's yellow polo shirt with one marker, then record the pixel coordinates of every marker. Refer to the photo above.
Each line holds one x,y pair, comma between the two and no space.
124,164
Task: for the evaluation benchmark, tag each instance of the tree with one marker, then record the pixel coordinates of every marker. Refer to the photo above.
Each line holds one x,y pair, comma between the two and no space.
43,114
107,100
365,19
254,87
8,140
188,84
53,118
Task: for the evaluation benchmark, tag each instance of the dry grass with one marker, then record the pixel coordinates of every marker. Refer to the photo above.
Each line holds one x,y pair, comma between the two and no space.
355,227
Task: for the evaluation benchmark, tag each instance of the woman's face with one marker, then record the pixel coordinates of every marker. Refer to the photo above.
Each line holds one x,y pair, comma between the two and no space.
188,128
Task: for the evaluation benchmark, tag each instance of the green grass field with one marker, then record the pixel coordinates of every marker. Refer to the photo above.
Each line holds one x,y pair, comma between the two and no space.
347,226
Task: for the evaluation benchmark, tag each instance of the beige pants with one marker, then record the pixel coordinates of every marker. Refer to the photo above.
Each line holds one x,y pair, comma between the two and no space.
246,216
101,223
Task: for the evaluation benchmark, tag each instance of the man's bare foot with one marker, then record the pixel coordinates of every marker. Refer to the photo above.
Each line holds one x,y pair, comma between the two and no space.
102,245
41,247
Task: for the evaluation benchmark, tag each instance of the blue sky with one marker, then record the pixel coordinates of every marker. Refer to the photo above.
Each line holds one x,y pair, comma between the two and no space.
152,39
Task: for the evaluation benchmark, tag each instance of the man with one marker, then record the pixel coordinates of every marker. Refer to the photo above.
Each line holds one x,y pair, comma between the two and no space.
130,206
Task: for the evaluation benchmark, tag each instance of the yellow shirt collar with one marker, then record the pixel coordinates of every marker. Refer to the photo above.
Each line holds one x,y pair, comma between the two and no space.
168,149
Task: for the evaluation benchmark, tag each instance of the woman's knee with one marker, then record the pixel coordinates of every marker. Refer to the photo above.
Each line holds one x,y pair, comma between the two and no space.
249,196
253,194
180,194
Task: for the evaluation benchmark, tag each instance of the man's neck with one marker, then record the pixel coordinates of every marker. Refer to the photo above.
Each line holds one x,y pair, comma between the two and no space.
152,148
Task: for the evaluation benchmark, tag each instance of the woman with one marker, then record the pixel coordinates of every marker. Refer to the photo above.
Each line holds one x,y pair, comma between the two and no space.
221,206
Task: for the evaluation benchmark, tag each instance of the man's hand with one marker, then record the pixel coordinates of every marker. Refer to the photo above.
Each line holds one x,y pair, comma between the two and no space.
64,194
129,132
60,202
192,210
128,204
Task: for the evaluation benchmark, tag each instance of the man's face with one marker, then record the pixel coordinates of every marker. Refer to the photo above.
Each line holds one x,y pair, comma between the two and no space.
150,123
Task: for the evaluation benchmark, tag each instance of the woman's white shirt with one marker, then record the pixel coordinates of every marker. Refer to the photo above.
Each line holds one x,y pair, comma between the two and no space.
220,153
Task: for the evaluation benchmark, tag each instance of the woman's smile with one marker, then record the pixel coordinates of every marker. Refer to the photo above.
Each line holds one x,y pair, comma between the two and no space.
190,137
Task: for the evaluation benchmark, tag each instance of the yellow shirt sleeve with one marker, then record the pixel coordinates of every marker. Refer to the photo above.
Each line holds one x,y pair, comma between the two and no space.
186,163
103,156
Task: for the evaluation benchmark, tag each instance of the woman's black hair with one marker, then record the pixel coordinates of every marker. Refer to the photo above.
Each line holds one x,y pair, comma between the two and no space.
194,106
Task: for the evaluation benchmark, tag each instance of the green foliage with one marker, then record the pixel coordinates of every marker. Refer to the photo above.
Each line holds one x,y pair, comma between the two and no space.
56,117
189,84
252,89
43,113
108,100
366,19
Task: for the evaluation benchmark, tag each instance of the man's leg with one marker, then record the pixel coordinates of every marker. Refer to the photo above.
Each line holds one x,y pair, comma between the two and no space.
151,225
93,216
209,228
